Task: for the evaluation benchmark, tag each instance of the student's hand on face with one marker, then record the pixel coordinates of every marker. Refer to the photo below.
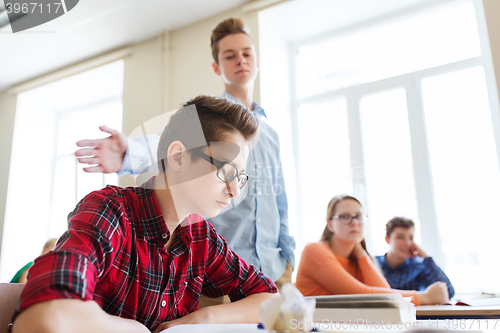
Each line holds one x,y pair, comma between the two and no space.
358,251
436,293
107,153
416,251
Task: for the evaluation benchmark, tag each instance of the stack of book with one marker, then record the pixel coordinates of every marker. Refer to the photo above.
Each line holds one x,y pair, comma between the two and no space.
365,308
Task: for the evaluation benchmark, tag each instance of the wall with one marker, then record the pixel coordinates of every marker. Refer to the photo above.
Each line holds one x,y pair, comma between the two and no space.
7,117
145,86
164,72
492,12
190,67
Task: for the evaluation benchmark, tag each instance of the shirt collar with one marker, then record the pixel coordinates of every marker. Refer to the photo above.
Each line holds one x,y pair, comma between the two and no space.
153,224
256,106
383,262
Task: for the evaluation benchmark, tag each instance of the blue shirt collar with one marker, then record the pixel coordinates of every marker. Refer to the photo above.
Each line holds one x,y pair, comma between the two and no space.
256,106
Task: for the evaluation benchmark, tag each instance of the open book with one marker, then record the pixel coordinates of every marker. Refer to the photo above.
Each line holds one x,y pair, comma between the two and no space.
475,301
364,308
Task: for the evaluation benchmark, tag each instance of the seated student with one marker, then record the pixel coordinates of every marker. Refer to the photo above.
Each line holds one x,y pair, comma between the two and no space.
137,259
22,274
406,266
340,264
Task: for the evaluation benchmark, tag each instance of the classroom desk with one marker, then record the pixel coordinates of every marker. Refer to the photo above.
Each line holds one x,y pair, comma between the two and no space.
458,312
469,326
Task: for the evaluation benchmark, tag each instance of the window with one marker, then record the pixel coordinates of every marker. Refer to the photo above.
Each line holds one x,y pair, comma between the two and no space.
324,171
388,161
398,114
389,49
45,181
466,177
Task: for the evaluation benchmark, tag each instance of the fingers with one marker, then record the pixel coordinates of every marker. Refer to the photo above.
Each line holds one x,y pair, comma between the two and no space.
413,250
88,143
97,142
87,152
89,160
109,130
94,169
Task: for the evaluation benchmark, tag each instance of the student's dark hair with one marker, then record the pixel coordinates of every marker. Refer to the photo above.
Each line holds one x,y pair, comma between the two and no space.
227,27
331,210
398,221
217,116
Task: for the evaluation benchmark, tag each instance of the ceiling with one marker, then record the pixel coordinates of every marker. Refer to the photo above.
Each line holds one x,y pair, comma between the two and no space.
95,27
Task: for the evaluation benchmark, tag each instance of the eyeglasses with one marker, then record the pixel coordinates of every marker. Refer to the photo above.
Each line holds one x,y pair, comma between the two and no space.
226,171
347,219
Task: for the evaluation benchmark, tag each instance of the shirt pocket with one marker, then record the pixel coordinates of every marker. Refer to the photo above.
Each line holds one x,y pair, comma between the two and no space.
188,295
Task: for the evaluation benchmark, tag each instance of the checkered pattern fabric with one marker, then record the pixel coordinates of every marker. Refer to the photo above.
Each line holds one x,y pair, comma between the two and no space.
414,274
114,253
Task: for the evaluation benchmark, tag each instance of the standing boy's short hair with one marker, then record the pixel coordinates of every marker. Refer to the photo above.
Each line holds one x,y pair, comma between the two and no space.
217,118
227,27
398,221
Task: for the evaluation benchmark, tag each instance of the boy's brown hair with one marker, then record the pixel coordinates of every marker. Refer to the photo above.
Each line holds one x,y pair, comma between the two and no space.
217,116
227,27
398,221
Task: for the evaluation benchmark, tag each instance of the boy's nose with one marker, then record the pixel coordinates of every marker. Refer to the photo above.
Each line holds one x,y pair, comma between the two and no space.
241,59
233,188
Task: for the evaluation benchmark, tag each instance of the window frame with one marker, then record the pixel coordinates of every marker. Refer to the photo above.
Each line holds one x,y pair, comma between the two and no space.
411,83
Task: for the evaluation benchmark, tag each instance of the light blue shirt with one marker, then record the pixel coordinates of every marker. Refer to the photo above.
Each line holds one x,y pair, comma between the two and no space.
256,228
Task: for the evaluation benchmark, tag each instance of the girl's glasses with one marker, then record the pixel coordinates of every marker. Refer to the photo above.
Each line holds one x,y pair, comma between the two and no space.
347,219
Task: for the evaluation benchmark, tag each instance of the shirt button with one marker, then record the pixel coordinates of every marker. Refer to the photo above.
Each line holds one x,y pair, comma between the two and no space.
185,283
259,193
164,236
258,220
163,303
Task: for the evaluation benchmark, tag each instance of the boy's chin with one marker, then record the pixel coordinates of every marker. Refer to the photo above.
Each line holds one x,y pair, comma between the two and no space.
212,214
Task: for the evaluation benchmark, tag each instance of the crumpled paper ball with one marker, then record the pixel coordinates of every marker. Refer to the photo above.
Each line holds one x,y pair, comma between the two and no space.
287,311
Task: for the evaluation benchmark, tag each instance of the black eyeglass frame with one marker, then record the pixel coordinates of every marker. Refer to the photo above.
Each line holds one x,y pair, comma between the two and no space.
361,218
219,165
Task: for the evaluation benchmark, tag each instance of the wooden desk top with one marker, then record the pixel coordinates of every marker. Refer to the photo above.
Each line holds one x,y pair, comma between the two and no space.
458,312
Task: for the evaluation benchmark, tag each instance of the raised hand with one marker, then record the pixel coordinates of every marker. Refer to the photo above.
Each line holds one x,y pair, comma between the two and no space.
107,153
358,252
416,251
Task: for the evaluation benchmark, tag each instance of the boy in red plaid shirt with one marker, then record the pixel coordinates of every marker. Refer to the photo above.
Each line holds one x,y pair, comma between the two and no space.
137,259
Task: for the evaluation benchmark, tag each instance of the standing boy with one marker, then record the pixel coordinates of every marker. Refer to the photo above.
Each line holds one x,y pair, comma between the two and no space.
137,259
261,236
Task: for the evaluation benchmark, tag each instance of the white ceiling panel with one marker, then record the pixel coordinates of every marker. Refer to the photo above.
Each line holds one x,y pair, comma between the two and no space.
94,27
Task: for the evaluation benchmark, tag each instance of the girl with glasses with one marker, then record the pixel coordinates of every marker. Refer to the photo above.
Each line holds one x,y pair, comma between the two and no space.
340,264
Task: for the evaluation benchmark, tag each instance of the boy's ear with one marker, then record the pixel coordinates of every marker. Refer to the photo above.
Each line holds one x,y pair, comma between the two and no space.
174,155
216,68
387,239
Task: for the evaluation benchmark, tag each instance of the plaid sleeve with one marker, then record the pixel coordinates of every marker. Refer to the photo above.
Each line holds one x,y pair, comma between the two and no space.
228,274
433,273
82,255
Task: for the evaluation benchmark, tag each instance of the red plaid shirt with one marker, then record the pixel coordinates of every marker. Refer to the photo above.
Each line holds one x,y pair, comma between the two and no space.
114,253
